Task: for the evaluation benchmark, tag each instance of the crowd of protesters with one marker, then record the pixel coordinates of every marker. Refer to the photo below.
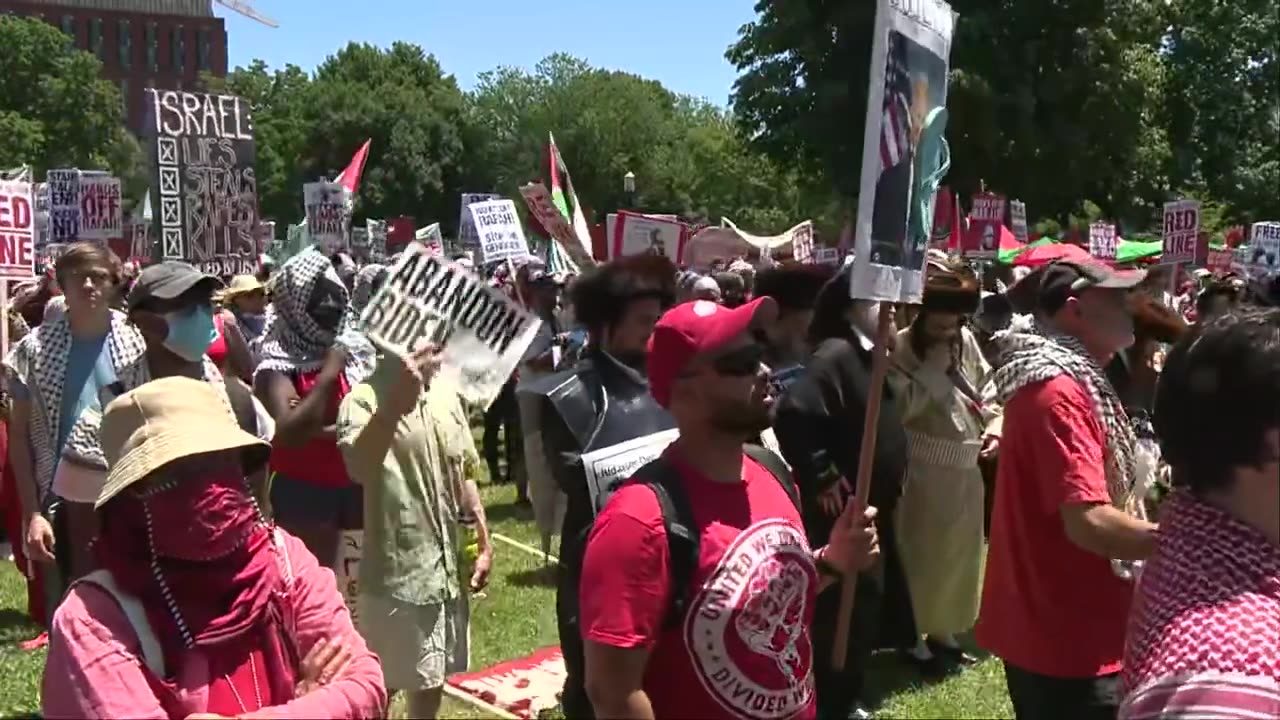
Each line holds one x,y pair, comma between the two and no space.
1080,468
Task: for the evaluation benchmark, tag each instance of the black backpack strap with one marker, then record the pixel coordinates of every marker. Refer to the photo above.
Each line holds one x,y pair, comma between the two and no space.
776,467
683,541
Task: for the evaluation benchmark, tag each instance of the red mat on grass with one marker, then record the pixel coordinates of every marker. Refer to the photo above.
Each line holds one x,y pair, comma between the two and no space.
521,687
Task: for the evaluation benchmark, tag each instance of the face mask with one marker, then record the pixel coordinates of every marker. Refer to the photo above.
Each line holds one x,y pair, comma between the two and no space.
217,513
191,332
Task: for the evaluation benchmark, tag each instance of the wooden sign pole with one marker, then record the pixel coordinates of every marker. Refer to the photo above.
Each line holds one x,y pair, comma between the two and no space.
862,484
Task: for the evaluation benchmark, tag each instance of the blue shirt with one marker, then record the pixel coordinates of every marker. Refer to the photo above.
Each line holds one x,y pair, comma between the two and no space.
81,361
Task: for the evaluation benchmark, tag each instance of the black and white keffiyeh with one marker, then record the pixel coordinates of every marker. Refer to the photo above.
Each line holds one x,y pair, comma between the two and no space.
292,340
1034,354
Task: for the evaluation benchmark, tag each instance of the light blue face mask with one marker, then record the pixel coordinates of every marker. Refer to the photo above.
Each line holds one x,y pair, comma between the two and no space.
191,332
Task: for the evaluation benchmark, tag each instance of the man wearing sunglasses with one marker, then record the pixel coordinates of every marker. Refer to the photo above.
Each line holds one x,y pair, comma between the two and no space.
737,644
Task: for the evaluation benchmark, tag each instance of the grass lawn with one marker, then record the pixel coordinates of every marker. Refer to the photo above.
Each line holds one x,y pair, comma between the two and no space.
516,617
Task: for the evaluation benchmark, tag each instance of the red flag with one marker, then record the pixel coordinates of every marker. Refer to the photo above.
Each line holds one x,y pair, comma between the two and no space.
350,178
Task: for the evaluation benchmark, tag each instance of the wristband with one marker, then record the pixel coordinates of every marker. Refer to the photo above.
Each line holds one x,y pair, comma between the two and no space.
824,566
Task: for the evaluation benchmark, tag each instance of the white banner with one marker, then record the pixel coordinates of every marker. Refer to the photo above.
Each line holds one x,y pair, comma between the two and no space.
17,231
1181,230
826,256
906,100
100,211
1264,250
711,244
498,226
327,215
1102,241
482,332
467,236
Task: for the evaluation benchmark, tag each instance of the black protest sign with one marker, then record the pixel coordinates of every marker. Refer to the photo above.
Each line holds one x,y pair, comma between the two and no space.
205,190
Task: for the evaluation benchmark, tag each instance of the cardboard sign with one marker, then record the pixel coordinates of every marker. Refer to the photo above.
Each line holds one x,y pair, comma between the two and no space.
827,256
1219,261
1102,241
498,226
327,216
64,206
467,236
1264,250
1181,231
907,90
802,243
203,182
1018,220
430,237
986,218
606,468
538,199
637,234
100,211
17,231
349,572
482,332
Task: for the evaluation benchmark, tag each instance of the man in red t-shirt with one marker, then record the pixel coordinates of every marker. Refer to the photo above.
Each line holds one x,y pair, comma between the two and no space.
742,649
1054,604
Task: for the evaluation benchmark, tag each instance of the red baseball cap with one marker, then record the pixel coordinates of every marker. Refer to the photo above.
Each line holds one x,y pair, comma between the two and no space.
695,328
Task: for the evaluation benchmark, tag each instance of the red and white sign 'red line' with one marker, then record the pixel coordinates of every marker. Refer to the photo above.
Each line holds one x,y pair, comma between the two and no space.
1181,231
17,241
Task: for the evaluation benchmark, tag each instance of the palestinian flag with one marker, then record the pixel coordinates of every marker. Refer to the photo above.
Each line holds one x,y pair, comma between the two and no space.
565,199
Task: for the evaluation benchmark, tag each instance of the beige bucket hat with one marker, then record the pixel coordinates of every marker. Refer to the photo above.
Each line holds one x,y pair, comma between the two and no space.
240,285
165,420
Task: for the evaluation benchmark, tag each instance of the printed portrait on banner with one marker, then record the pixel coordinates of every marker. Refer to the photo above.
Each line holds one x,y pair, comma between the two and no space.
904,152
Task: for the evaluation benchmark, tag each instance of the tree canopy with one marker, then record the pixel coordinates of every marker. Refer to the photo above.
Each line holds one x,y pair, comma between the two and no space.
56,111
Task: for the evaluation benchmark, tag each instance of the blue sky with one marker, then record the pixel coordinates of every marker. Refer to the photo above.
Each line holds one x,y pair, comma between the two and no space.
678,42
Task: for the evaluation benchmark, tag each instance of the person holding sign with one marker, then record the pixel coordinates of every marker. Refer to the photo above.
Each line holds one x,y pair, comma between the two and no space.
405,438
311,356
655,649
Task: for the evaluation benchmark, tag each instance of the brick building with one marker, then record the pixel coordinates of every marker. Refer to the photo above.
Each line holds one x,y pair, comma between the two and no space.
141,43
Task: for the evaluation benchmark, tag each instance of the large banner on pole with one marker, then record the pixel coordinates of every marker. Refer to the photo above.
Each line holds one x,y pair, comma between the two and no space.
205,190
906,99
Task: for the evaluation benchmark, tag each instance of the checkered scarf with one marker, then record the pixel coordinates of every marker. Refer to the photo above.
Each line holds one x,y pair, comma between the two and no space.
1040,354
292,341
39,362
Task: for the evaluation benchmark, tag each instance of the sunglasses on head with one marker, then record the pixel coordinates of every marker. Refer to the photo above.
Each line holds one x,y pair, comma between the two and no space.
741,362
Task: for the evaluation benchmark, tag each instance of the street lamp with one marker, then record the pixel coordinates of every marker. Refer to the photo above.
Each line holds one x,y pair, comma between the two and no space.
629,188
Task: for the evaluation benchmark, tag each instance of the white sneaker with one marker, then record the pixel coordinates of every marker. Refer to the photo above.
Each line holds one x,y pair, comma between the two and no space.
860,713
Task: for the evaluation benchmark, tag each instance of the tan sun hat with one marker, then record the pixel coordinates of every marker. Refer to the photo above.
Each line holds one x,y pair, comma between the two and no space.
165,420
240,285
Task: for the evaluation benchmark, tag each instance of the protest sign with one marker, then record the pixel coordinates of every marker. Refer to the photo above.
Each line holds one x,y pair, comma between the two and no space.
802,242
538,199
1181,230
607,467
637,234
827,256
377,230
1018,221
1264,250
430,237
498,227
327,215
17,231
482,332
348,575
1102,241
100,211
1219,260
986,220
64,205
203,181
712,244
467,236
906,106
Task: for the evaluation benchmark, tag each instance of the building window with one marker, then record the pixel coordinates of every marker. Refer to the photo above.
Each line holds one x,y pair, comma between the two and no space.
124,44
95,37
203,49
124,98
69,27
152,65
178,48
